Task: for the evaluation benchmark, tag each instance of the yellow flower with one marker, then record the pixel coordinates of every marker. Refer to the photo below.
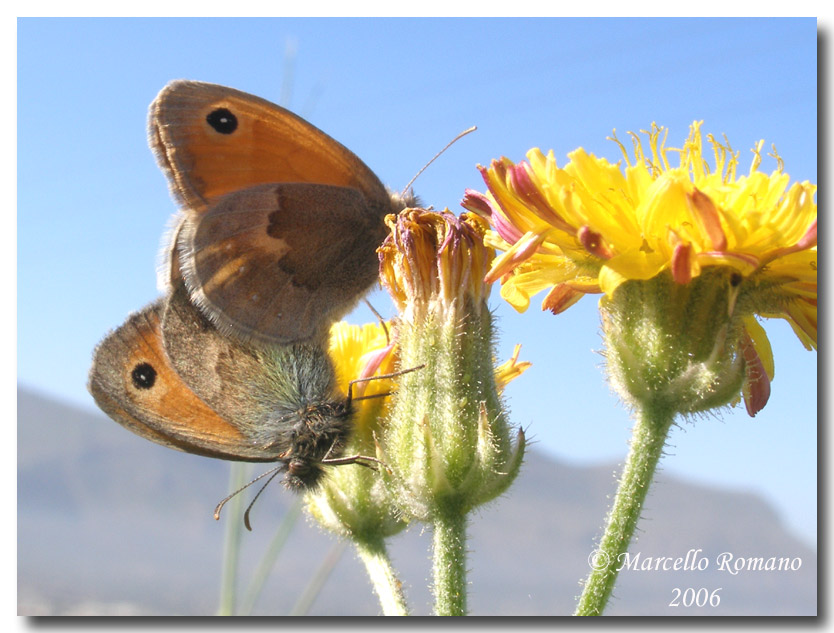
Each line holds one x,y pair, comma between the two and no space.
591,226
360,352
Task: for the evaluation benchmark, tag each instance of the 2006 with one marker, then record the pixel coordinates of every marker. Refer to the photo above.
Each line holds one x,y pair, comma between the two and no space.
695,597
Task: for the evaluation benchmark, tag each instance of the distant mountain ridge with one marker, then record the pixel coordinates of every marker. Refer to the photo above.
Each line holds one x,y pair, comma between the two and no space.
109,523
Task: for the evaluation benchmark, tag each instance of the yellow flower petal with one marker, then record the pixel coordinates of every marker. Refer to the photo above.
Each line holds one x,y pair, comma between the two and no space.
614,222
761,343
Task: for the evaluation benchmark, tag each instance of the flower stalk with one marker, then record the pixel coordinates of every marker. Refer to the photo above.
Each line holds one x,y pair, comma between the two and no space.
647,441
449,569
386,585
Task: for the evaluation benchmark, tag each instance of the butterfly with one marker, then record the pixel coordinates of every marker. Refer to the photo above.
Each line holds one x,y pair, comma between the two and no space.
277,238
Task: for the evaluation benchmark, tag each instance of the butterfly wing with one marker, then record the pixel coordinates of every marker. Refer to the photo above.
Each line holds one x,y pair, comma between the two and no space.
133,381
211,140
278,263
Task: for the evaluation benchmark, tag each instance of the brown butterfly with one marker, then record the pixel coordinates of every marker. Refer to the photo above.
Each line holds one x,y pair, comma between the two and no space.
278,237
281,223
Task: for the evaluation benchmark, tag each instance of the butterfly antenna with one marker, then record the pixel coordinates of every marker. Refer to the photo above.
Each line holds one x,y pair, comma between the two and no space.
350,397
381,321
272,471
436,156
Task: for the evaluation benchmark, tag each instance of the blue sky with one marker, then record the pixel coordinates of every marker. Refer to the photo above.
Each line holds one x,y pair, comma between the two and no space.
92,204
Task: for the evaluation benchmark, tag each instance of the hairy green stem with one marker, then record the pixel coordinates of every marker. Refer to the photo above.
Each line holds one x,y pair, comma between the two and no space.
648,438
450,564
387,586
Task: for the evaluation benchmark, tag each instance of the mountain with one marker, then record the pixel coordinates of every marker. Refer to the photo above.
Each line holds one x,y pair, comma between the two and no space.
111,524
